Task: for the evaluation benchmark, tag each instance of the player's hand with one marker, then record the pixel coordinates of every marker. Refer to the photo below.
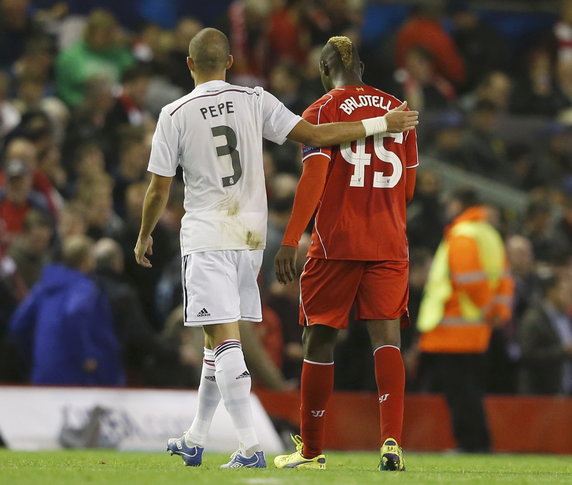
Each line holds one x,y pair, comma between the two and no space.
142,248
285,264
399,120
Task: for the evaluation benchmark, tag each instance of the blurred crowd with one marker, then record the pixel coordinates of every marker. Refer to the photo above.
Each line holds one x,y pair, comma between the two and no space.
79,97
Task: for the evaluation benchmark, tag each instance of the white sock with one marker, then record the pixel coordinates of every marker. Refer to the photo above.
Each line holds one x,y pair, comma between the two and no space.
234,382
209,397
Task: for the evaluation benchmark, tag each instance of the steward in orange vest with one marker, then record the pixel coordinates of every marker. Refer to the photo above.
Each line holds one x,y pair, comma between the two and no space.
469,291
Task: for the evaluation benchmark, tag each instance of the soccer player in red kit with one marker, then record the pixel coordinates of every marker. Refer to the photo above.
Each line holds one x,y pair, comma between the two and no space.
358,254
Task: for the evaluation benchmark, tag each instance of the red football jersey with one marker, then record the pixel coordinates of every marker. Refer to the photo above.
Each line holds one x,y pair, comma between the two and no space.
362,211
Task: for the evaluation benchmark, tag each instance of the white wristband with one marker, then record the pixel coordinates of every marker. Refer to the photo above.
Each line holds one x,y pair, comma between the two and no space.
374,125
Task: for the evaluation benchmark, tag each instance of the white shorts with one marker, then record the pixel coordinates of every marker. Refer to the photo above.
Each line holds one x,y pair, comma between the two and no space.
221,287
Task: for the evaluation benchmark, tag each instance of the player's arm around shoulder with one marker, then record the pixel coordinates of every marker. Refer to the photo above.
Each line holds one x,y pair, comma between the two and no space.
395,121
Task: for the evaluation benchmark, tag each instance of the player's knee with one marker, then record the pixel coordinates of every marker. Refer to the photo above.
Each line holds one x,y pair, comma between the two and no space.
319,342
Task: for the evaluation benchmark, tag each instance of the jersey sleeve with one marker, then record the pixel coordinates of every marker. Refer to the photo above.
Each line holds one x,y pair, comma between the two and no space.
316,114
277,120
412,157
164,156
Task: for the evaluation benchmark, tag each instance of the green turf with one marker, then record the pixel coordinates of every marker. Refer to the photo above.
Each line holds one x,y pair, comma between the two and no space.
118,468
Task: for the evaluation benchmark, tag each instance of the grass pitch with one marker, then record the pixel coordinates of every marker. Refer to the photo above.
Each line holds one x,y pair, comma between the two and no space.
96,467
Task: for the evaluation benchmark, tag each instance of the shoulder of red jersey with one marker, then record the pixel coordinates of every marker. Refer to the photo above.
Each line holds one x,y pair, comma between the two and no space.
315,112
394,101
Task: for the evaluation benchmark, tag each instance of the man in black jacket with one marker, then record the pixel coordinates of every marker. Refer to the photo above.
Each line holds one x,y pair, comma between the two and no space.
545,337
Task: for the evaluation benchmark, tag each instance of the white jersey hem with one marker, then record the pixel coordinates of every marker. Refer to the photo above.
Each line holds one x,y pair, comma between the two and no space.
201,322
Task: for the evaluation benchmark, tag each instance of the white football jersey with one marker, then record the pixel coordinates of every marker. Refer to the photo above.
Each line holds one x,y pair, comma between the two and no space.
215,133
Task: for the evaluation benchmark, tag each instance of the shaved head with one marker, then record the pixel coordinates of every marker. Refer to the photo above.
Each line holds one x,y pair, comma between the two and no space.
209,50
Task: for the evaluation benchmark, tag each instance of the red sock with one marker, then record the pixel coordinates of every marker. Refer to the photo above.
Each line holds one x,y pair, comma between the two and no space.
390,379
316,388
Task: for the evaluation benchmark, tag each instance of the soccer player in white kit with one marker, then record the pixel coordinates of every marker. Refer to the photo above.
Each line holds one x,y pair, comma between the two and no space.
215,134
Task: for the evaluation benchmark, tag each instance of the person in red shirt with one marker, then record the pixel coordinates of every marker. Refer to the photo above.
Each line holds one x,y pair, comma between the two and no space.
358,253
17,197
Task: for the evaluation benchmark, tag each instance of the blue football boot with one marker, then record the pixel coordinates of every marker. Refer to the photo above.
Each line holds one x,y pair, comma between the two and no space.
191,455
237,460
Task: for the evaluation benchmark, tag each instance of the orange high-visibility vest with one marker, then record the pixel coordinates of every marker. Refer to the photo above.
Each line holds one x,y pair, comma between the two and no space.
469,288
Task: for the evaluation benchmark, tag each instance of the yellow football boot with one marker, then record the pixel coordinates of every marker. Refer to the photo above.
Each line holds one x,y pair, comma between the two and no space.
391,457
297,460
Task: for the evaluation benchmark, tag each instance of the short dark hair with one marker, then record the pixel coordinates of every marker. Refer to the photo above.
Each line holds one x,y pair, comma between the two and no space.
36,218
136,72
467,196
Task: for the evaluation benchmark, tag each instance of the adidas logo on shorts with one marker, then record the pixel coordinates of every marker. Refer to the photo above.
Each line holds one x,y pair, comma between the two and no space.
203,313
244,375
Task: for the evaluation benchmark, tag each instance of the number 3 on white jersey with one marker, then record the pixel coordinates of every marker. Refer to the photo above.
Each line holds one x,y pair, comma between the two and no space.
360,159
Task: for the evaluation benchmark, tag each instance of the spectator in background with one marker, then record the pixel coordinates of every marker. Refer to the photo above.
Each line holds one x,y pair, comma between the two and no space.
144,280
30,250
147,47
420,260
423,29
545,338
539,228
97,199
527,294
480,45
527,284
421,85
288,36
12,291
37,60
64,327
17,198
311,87
36,127
87,166
446,143
536,92
564,88
185,372
129,106
174,66
141,347
484,149
134,150
495,88
247,28
564,224
556,157
283,188
285,301
99,53
16,27
50,164
527,172
563,31
32,95
284,82
72,221
88,120
9,115
425,220
332,17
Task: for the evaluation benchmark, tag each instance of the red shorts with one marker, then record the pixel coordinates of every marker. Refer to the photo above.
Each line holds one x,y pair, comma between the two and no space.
329,288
